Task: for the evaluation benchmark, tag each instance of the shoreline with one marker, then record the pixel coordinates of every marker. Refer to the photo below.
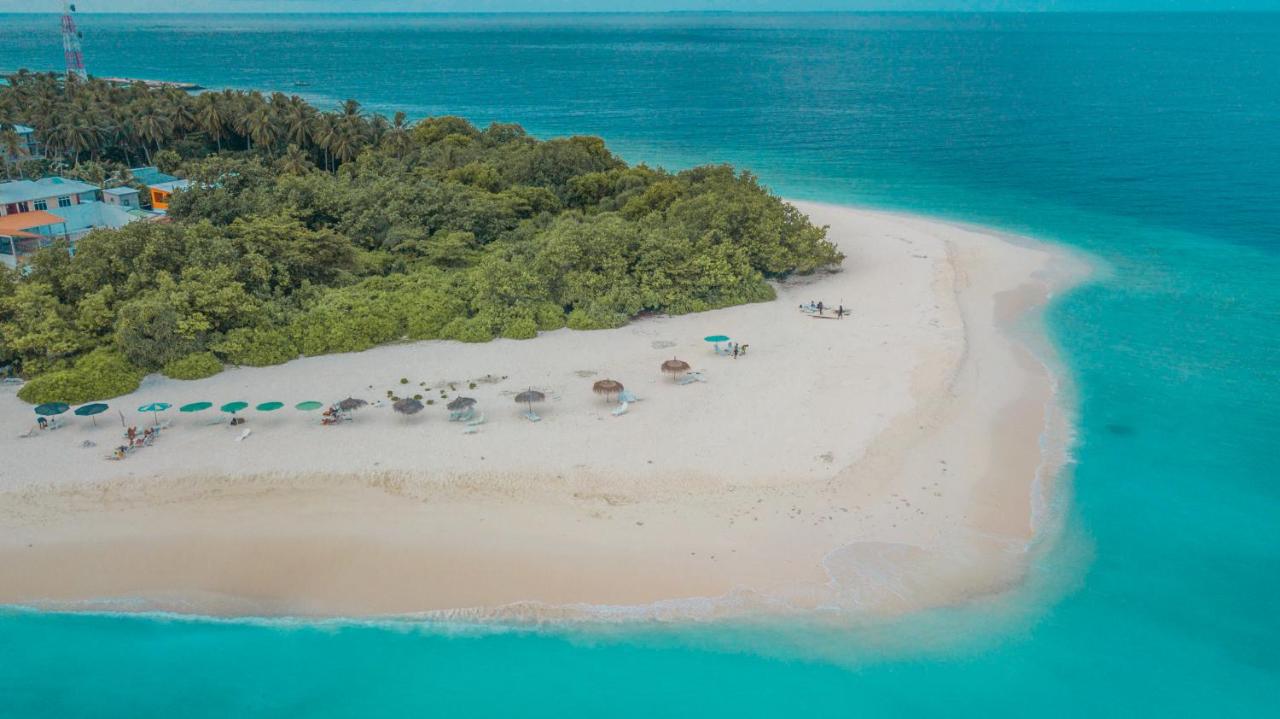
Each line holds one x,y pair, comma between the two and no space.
663,522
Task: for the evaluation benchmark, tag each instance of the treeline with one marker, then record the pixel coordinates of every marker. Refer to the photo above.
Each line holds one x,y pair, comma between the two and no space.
444,231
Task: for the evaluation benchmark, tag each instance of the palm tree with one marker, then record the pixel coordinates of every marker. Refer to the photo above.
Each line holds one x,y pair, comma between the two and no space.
298,117
210,117
154,127
295,162
325,134
262,128
396,137
9,141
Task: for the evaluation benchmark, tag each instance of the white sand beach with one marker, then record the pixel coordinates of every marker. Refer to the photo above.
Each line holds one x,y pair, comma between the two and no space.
893,459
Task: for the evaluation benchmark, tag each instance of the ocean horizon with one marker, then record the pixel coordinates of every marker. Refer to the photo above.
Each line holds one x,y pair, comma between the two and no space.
1149,141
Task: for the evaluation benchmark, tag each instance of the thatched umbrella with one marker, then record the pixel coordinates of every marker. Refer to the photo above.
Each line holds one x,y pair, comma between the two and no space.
675,366
351,403
529,396
460,403
607,387
408,405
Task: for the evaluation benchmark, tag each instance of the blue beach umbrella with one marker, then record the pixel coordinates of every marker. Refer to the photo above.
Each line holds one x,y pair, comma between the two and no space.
155,408
89,410
195,407
269,406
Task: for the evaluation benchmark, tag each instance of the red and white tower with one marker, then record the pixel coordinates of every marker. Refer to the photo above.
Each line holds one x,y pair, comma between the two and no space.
71,42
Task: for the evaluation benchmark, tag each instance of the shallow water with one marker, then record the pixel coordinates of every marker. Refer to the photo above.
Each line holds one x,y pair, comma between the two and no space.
1151,141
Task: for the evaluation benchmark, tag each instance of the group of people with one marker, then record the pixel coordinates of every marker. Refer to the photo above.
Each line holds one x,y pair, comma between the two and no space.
135,440
48,423
333,414
820,309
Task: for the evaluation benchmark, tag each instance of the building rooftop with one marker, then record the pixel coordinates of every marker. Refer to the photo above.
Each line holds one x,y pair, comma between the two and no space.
120,191
94,214
150,176
27,190
171,186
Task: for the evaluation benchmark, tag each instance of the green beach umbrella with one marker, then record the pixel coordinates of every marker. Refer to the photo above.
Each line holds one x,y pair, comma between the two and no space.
155,408
309,406
269,406
89,410
233,407
49,409
716,340
195,407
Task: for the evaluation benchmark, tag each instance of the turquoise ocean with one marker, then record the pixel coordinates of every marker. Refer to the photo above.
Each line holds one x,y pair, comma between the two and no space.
1151,141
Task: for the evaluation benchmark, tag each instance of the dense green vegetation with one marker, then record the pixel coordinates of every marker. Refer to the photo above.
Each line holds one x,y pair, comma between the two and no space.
311,232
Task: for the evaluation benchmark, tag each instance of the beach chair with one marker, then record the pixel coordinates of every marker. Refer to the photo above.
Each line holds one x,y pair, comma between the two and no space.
627,396
462,415
691,377
476,422
532,416
621,409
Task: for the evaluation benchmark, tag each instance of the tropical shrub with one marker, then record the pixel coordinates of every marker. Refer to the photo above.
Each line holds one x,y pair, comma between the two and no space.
197,365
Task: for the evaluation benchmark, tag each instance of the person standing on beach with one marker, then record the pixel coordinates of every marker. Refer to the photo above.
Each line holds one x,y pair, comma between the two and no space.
840,312
819,307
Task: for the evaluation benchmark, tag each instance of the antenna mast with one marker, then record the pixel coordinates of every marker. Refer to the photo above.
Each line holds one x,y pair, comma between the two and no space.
71,43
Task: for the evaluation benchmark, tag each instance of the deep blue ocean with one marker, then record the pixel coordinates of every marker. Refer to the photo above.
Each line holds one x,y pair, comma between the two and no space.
1151,141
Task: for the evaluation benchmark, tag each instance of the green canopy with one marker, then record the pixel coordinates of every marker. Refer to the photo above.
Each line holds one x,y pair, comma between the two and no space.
195,407
89,410
269,406
48,409
233,407
309,405
716,338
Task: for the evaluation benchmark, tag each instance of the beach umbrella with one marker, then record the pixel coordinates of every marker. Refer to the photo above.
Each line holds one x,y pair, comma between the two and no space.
269,406
155,408
716,340
309,406
408,405
529,396
89,410
49,409
675,366
351,403
607,387
233,407
195,407
461,403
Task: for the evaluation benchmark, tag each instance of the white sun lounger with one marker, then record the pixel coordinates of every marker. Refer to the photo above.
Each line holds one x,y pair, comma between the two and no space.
621,409
532,416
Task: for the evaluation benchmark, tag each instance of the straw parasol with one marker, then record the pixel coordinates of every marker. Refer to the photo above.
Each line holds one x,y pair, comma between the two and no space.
351,403
529,396
408,405
461,403
675,366
607,387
